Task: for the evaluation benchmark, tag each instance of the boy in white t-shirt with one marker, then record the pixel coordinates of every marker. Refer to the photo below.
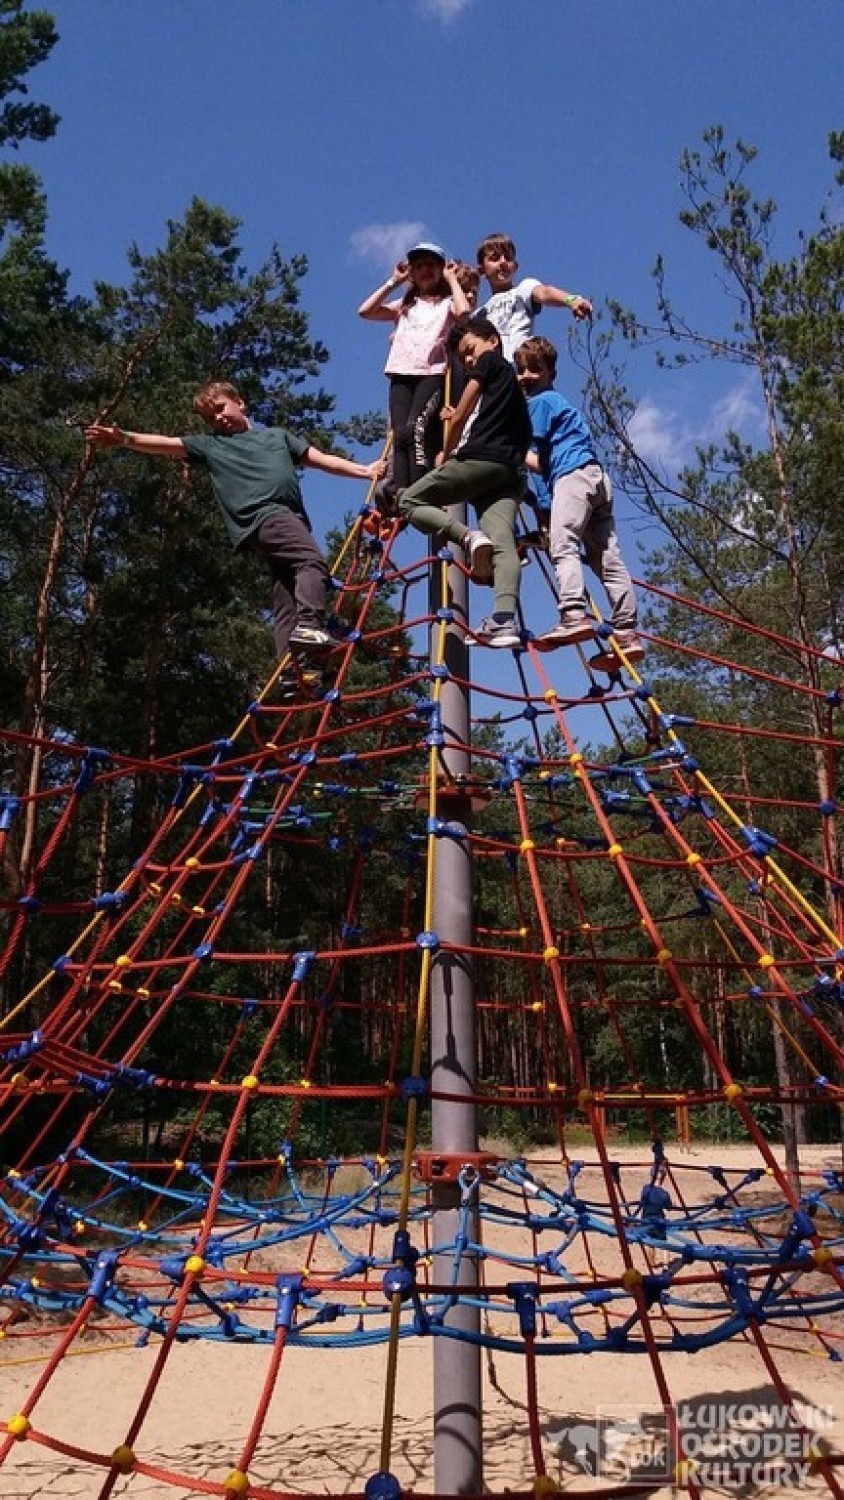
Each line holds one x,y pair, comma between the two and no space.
512,308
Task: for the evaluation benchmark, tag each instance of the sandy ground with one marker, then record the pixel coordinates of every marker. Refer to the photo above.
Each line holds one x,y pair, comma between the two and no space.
323,1429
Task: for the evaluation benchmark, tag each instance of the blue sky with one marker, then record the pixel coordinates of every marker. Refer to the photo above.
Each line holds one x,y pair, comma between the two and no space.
345,129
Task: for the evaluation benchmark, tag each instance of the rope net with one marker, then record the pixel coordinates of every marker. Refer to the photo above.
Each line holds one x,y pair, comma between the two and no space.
627,903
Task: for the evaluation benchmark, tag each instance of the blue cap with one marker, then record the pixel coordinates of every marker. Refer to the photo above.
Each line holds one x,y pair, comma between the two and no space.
426,248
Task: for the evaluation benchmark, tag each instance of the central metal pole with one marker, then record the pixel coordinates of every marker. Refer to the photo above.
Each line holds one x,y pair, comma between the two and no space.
454,1128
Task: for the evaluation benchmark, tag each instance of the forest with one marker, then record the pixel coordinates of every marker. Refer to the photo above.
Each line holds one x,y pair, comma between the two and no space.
126,625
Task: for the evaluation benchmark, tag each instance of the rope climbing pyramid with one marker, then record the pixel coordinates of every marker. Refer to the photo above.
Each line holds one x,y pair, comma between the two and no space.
523,906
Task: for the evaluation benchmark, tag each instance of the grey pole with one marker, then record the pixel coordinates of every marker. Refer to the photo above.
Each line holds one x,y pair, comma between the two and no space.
454,1130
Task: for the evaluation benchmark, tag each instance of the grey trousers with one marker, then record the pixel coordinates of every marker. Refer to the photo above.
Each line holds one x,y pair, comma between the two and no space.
582,516
298,569
491,488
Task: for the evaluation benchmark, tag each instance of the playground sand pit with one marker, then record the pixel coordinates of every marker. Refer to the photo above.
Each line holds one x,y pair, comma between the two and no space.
323,1429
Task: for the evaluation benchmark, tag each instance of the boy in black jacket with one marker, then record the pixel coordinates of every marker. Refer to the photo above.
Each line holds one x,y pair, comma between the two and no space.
483,470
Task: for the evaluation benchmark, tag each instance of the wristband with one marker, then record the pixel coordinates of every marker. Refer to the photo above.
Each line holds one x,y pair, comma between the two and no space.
570,299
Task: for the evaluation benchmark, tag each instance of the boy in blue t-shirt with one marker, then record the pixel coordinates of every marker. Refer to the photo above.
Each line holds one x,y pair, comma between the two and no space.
581,510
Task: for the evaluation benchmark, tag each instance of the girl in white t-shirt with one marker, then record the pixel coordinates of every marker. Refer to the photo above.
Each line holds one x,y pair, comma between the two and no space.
417,360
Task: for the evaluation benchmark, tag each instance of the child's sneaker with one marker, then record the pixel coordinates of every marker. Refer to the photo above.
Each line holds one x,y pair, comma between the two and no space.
574,626
386,498
480,551
498,632
610,661
312,637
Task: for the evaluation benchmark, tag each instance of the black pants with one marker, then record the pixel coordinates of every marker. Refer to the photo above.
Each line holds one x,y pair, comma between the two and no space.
415,402
298,570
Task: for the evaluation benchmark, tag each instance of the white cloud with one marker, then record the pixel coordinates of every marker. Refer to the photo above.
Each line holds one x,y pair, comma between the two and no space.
664,438
738,410
658,436
385,244
445,10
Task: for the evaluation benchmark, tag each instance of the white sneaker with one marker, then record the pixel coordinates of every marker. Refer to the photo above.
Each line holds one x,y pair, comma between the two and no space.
480,551
313,636
498,633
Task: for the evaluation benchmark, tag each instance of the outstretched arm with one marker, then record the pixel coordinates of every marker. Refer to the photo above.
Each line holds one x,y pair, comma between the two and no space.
554,296
373,308
156,444
346,468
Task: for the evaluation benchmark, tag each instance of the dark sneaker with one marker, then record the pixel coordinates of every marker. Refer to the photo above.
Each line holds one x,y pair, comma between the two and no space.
386,498
504,633
610,661
573,627
311,637
479,550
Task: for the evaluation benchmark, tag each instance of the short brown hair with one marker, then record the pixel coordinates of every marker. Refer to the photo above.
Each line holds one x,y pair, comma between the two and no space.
538,351
468,277
496,242
213,388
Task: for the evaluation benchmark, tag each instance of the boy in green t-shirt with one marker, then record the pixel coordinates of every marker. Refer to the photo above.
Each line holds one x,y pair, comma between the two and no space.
253,475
